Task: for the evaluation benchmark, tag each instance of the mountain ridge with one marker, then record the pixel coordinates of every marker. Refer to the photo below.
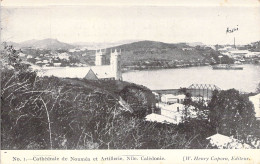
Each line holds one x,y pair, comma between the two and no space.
50,43
47,43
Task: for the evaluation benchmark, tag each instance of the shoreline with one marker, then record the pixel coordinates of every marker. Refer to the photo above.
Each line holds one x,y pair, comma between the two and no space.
184,67
161,68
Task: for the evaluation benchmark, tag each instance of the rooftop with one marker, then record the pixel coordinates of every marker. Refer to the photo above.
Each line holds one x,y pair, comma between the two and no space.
77,72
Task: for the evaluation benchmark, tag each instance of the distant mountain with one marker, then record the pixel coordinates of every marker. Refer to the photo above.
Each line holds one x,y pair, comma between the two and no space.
101,45
194,44
146,44
52,44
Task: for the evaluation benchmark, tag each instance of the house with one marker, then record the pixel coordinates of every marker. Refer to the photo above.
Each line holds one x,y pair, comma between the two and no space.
238,53
38,62
226,49
45,61
225,142
57,64
171,99
252,54
176,107
64,56
256,102
171,114
97,72
187,49
159,118
177,111
200,98
74,50
21,54
29,56
174,111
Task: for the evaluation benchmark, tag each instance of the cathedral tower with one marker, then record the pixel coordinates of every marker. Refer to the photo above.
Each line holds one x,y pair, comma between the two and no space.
100,58
115,64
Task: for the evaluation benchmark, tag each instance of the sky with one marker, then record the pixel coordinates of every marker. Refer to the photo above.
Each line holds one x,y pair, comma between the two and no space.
112,23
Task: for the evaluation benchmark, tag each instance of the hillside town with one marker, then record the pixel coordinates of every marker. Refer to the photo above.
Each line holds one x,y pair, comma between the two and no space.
81,57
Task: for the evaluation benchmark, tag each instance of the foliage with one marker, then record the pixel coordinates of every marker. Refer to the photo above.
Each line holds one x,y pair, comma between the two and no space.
140,99
224,60
52,113
11,58
231,113
258,88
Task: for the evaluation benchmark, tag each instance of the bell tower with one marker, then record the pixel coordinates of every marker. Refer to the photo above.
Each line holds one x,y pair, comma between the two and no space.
100,58
115,64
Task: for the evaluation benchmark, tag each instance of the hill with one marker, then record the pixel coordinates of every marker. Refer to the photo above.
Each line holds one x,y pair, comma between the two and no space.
194,44
52,44
159,54
151,50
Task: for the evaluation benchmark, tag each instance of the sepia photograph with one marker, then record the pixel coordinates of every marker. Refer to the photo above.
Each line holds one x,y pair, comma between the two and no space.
120,76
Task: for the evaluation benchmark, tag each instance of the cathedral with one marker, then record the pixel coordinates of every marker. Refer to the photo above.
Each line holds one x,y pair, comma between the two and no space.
98,72
106,72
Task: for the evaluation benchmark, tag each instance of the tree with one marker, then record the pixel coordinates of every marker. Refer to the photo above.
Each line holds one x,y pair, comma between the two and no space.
258,88
139,98
10,57
231,113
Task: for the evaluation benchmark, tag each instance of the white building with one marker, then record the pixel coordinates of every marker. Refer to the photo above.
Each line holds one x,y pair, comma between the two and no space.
171,99
176,111
238,53
64,56
29,56
74,50
57,64
21,54
252,54
187,49
100,71
256,102
225,142
159,118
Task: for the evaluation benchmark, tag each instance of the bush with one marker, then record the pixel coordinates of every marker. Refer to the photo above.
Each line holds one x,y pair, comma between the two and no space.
52,113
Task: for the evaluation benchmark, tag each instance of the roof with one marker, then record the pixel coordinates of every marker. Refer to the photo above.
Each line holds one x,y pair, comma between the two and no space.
78,72
91,75
240,51
174,96
222,141
160,118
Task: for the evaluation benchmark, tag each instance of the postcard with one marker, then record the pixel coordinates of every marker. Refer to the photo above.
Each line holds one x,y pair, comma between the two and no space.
130,81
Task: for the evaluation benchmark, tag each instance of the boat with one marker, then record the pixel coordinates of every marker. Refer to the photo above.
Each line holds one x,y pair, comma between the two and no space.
226,67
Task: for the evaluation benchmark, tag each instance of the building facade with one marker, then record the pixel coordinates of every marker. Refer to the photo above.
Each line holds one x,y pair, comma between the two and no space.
115,63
